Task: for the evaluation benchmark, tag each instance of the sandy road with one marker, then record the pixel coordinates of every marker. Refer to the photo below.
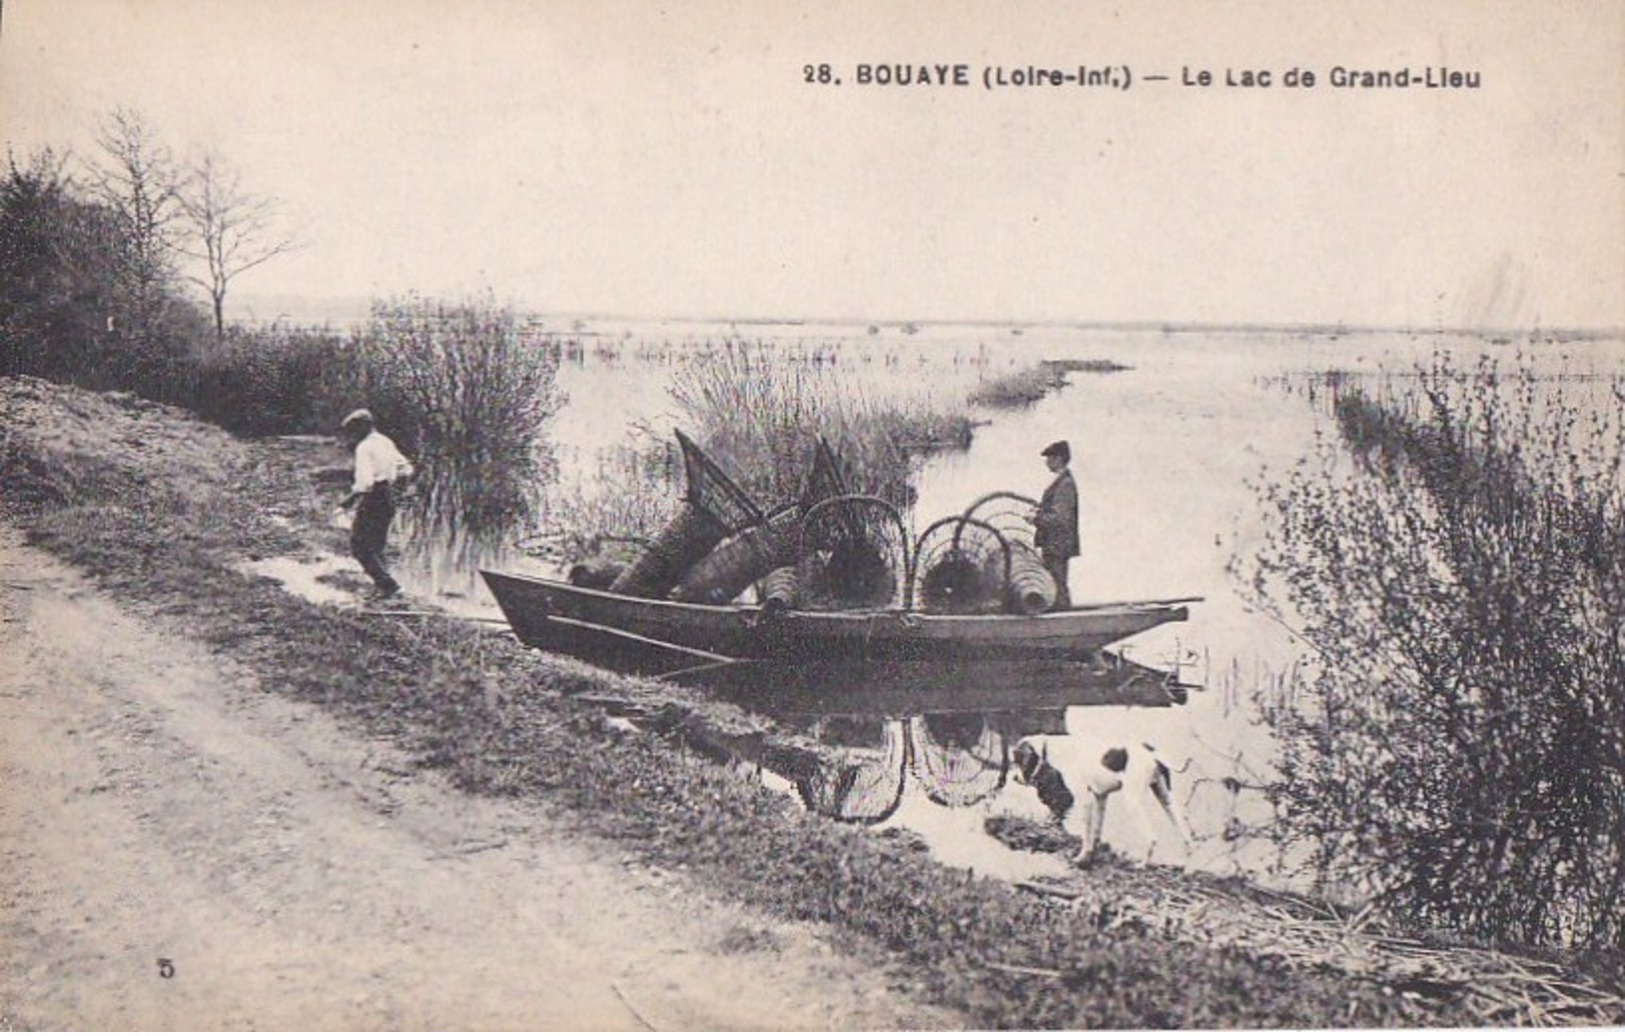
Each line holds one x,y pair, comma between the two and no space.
157,803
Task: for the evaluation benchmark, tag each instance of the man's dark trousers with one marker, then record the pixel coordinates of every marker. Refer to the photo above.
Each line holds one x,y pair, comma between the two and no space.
369,534
1057,565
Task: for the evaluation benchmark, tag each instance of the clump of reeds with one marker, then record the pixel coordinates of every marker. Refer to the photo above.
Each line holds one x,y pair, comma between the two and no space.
1028,385
1019,388
762,419
1459,747
1088,366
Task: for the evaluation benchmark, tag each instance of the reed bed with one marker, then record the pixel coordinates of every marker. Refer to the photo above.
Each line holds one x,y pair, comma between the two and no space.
1025,387
1019,388
762,418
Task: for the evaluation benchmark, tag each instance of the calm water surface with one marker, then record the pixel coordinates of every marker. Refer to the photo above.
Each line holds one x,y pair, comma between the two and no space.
1166,455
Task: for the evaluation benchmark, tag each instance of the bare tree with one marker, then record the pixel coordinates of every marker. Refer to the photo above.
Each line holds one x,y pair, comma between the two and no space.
136,180
233,230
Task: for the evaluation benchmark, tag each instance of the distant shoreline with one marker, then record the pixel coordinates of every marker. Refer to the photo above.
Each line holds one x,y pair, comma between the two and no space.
343,311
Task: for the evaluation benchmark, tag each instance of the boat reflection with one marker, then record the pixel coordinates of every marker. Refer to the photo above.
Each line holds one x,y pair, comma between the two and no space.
873,729
947,729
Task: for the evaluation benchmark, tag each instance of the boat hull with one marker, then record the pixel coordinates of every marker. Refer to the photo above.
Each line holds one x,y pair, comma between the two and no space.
559,617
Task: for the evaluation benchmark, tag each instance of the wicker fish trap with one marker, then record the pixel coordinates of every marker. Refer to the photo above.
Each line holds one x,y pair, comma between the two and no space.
962,567
828,477
690,535
709,489
1031,587
741,560
853,554
1010,513
714,507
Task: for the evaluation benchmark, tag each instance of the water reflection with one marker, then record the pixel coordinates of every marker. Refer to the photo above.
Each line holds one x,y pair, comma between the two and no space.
864,783
947,728
959,758
929,748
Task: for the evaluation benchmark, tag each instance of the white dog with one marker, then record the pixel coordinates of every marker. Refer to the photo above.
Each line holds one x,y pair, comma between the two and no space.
1063,770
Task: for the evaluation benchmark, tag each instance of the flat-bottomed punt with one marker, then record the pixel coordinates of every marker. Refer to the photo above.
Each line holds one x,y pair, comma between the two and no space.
557,616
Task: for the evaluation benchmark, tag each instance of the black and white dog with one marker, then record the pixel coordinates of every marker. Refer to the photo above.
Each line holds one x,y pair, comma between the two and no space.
1063,770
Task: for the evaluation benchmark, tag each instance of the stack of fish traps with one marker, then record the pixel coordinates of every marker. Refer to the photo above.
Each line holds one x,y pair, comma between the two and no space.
741,560
722,543
829,562
768,553
833,550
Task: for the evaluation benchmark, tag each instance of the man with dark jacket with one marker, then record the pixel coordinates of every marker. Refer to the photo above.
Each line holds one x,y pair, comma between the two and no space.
1055,523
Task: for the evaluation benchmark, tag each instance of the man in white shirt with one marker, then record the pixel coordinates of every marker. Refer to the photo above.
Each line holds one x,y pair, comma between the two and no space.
378,467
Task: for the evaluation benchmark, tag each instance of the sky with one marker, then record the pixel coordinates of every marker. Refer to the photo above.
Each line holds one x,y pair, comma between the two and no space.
639,159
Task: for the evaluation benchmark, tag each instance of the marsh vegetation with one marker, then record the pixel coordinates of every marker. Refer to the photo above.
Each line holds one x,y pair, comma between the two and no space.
1455,747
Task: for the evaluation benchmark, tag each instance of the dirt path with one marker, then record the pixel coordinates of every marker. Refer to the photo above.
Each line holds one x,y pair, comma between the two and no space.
157,804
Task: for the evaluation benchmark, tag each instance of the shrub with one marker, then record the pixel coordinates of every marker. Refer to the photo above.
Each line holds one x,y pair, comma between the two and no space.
1458,750
276,380
469,395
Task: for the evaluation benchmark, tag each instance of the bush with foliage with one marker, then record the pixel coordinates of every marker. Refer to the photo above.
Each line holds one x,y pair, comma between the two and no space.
468,393
276,380
1458,749
65,311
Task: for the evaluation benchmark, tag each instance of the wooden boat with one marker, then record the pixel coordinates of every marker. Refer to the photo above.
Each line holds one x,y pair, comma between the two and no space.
557,616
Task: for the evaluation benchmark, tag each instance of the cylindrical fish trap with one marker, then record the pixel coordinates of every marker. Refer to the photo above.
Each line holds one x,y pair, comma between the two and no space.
1007,512
721,575
781,588
961,567
689,536
1031,588
852,551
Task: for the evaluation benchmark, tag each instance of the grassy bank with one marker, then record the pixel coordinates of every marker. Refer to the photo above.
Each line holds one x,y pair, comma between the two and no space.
160,509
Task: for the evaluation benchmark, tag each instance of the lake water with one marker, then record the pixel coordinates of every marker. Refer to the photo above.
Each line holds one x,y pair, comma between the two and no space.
1166,454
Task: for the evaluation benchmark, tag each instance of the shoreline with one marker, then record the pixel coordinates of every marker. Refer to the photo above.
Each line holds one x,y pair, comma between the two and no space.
161,526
